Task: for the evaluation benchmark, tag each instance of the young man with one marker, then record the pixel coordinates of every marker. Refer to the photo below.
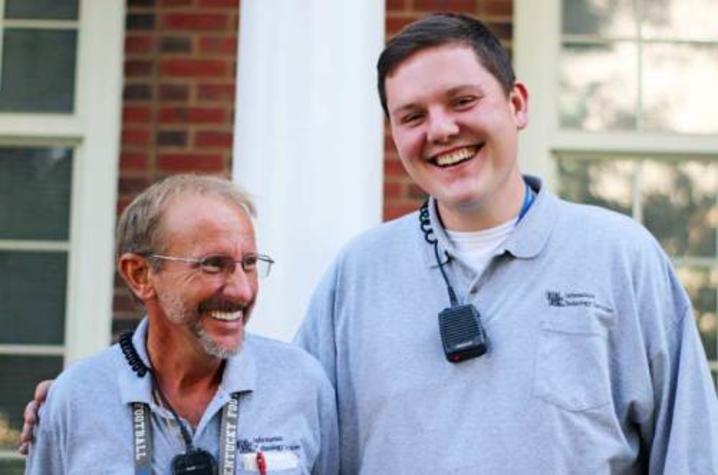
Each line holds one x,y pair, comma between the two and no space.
189,392
568,345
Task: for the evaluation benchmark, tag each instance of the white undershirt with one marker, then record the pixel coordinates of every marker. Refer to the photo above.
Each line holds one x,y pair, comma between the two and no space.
477,247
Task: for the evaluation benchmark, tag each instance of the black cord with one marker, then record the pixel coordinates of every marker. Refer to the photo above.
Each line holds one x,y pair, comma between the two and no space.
430,237
135,362
133,359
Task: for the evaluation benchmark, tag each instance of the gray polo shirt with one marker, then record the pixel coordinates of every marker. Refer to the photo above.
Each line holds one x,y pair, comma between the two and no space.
594,363
286,410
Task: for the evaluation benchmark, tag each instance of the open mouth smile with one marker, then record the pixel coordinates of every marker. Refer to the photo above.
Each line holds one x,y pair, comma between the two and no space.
456,156
226,316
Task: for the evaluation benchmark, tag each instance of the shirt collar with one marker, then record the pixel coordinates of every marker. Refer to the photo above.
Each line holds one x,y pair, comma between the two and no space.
239,375
526,241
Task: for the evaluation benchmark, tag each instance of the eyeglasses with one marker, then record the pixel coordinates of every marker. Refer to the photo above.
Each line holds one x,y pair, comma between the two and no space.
222,264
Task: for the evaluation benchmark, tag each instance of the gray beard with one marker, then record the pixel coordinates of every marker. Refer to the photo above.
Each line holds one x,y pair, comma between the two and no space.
178,313
211,347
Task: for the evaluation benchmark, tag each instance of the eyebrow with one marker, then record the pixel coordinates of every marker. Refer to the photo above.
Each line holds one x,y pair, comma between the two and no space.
451,92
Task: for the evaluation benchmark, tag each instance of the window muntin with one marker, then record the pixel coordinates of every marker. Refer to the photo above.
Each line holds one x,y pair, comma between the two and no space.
639,65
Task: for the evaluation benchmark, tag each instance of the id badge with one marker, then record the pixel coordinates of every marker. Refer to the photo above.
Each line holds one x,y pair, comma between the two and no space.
268,461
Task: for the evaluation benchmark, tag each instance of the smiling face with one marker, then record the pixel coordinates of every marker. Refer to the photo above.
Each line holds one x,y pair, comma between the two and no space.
456,132
209,310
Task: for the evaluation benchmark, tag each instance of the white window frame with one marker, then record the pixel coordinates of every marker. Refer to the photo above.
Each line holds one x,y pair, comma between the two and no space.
536,47
93,131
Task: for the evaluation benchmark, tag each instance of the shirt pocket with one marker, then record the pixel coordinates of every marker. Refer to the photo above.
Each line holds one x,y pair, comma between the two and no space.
571,367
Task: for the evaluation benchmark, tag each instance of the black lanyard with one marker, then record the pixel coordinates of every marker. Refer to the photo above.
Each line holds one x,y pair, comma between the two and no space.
142,433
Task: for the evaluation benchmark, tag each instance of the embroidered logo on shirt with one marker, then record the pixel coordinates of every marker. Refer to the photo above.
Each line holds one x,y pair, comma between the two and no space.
574,299
266,444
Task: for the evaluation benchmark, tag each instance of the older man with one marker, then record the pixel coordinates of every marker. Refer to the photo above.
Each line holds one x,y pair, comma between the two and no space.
190,392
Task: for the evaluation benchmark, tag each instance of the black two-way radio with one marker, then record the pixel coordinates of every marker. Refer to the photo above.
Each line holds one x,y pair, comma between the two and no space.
462,335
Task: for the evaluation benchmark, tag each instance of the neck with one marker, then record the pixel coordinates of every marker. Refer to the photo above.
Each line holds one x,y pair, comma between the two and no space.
186,375
497,208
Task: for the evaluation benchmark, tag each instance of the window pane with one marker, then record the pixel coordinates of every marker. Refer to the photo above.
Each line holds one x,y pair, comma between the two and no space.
32,297
680,19
679,87
607,183
679,205
19,375
41,9
38,70
702,286
12,467
599,86
37,181
600,17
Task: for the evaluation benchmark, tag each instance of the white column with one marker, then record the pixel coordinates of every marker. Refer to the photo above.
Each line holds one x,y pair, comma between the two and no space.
308,139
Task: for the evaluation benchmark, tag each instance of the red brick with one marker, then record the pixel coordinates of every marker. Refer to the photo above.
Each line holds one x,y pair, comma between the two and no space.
231,4
500,8
176,3
194,21
136,114
393,190
133,161
195,67
174,92
132,185
176,44
466,6
222,45
191,162
171,138
395,5
136,137
208,138
122,301
137,67
136,92
218,92
393,168
138,44
503,31
195,115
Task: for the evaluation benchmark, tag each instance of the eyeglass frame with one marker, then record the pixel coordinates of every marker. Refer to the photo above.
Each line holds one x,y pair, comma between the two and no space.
200,262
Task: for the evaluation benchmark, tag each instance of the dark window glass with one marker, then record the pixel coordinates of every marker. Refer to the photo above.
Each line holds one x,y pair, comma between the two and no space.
38,70
41,9
35,186
32,297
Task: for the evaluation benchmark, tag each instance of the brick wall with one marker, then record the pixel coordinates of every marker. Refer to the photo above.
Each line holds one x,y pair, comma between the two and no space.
400,194
178,105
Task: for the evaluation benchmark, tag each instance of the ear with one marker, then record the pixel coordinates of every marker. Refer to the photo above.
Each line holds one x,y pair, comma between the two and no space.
136,272
518,98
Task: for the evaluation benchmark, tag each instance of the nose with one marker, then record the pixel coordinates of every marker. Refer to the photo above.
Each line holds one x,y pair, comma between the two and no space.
240,285
442,126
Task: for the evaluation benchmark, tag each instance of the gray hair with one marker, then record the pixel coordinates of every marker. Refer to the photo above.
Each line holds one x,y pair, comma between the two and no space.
139,229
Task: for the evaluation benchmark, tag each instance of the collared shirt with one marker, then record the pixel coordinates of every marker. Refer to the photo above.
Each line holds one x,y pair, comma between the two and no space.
594,362
286,410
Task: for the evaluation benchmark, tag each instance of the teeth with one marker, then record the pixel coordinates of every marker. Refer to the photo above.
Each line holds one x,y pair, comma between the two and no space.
455,157
226,316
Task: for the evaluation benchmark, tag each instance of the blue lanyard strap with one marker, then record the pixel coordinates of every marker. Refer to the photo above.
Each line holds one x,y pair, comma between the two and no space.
529,197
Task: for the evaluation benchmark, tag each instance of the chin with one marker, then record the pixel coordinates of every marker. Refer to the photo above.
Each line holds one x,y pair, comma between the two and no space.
216,349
